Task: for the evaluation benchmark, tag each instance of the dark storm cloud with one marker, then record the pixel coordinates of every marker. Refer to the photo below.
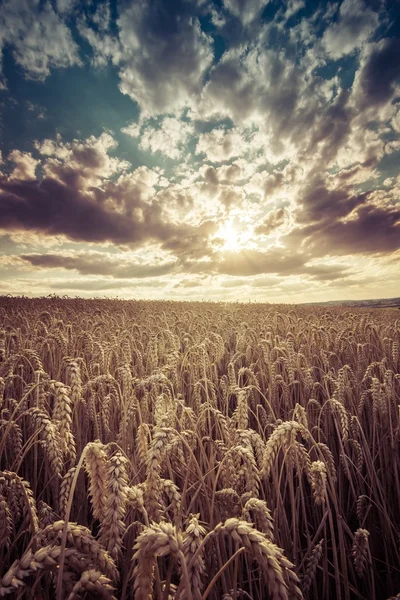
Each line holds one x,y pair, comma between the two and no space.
331,129
371,230
379,73
320,203
165,54
94,263
53,208
335,219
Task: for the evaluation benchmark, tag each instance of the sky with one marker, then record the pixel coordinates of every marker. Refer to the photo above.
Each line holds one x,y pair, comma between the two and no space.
200,149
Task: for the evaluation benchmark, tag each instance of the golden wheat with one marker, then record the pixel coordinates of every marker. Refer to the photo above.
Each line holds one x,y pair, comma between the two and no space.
198,450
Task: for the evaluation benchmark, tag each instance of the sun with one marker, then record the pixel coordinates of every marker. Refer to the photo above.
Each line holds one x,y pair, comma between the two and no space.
229,234
234,235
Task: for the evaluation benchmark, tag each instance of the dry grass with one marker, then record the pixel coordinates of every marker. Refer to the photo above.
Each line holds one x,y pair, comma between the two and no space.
197,450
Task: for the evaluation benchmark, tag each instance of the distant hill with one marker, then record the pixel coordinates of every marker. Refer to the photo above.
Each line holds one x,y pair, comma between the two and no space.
371,303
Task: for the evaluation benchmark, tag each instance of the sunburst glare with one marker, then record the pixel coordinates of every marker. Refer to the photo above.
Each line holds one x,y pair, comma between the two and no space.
233,237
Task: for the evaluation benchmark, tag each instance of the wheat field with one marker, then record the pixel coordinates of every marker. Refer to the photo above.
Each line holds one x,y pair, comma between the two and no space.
198,450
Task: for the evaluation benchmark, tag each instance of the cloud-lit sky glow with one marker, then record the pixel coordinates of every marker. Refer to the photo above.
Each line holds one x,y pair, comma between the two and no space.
200,149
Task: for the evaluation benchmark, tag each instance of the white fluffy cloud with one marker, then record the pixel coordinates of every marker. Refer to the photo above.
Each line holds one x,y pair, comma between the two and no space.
38,37
89,158
355,24
24,165
169,137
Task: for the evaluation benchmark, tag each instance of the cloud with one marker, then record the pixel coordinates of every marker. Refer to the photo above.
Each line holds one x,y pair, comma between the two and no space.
356,174
272,221
212,177
87,161
191,241
245,263
133,130
190,283
266,281
38,37
90,285
22,240
370,230
330,130
245,10
110,288
255,262
293,7
234,282
340,222
98,263
355,24
87,195
273,134
268,92
25,165
363,145
102,15
396,121
52,207
65,6
321,202
221,144
376,80
164,54
105,44
169,138
326,272
272,182
278,262
69,198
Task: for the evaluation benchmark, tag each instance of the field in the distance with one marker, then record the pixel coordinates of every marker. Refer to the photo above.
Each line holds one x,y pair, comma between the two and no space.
195,450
